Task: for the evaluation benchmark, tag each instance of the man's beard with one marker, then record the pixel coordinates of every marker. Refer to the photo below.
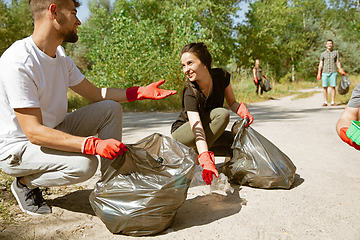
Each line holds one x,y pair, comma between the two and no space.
71,37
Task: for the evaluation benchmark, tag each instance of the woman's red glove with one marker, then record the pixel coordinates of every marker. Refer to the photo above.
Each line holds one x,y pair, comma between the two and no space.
345,138
207,161
150,91
243,112
341,71
109,148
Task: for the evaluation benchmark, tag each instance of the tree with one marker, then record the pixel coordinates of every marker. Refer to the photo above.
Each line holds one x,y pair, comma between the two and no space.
15,22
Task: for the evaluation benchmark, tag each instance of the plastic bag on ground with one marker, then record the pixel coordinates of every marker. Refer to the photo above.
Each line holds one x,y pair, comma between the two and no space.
267,85
256,161
141,191
344,85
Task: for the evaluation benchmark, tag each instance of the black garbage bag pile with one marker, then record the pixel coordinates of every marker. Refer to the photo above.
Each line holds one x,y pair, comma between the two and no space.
141,191
256,161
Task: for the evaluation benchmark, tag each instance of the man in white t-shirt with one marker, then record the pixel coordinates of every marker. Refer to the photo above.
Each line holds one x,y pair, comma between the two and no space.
40,144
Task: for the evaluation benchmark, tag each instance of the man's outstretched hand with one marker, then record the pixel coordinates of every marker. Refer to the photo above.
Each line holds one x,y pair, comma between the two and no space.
151,91
108,148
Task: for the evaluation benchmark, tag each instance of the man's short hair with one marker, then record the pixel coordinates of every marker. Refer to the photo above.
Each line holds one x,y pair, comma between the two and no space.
330,40
37,7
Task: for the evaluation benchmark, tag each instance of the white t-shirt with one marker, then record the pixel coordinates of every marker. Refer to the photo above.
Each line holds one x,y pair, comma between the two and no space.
31,79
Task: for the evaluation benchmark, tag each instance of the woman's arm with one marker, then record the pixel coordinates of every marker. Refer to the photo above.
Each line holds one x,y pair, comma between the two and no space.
238,108
254,75
206,158
198,130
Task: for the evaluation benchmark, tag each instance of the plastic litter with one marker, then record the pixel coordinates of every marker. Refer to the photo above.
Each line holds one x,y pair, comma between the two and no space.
267,85
141,191
218,185
256,161
344,85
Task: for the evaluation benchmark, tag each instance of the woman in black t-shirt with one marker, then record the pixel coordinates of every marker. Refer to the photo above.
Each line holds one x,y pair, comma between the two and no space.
203,120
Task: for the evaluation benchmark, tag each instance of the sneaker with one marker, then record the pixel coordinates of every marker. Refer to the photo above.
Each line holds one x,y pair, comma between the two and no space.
333,104
30,201
324,105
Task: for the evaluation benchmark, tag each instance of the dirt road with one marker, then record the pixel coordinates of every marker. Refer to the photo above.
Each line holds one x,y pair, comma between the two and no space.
324,202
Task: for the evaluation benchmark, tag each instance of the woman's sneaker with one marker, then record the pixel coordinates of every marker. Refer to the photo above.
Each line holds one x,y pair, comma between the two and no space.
30,201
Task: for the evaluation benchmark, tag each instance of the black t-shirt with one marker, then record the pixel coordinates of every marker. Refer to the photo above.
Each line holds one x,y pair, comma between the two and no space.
221,79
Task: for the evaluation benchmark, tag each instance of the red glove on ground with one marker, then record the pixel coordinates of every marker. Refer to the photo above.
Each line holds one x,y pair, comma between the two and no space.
243,112
345,138
341,71
109,148
256,80
207,161
318,77
150,91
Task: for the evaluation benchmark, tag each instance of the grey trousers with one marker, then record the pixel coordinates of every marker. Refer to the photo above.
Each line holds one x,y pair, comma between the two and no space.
217,138
45,167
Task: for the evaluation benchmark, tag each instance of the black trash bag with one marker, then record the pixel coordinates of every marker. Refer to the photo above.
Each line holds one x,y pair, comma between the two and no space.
141,191
256,161
344,85
267,85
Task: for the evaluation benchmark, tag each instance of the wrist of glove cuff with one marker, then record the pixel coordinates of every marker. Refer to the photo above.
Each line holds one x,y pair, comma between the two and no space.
132,94
90,149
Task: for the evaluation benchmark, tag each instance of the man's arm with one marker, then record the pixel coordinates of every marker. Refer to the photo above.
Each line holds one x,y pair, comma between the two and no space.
30,120
349,114
344,122
95,94
321,64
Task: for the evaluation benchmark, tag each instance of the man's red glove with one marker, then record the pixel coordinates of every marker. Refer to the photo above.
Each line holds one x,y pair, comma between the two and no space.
207,161
264,76
109,148
345,138
256,80
243,112
318,77
150,91
341,71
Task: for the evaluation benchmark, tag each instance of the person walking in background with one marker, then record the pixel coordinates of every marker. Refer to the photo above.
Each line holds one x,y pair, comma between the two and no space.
257,75
203,120
327,71
40,143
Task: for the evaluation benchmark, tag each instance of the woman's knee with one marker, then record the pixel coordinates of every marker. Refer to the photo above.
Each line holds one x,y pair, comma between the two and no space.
220,114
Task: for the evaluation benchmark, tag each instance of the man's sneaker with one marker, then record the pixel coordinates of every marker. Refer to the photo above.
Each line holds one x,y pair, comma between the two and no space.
30,200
